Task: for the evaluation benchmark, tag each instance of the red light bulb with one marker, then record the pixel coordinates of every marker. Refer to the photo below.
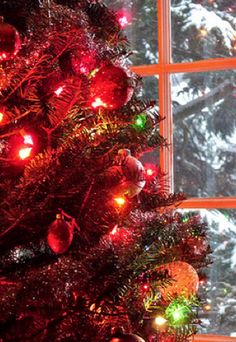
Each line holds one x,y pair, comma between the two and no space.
120,201
28,139
149,172
59,90
1,117
25,152
124,17
146,287
123,21
98,103
114,230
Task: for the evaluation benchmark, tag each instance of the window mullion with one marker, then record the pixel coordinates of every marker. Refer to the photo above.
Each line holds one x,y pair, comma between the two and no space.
198,66
209,202
166,126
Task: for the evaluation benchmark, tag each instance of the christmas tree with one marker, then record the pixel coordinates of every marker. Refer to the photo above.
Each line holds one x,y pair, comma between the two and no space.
91,248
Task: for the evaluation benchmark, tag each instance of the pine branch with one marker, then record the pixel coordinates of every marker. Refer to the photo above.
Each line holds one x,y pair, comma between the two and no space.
196,105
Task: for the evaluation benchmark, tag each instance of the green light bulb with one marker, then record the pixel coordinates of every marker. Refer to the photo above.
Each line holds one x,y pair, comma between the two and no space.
178,313
140,121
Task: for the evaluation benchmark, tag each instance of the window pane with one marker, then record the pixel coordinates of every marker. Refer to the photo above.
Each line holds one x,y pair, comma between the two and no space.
150,88
142,28
203,29
204,108
218,315
150,92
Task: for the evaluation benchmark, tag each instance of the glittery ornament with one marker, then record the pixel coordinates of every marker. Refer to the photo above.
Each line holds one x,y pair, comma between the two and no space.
127,338
128,175
9,41
184,280
60,235
110,88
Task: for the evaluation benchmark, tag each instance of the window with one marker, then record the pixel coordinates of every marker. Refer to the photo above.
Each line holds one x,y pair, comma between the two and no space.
186,49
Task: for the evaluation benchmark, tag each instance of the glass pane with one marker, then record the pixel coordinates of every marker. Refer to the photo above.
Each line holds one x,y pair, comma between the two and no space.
140,29
203,29
217,289
150,92
150,88
204,108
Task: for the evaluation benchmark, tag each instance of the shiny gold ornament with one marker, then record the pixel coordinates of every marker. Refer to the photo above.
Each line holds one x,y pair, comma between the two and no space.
184,282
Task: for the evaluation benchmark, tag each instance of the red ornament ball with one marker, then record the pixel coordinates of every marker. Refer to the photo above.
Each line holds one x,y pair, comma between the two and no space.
184,282
9,41
110,88
129,175
60,235
127,338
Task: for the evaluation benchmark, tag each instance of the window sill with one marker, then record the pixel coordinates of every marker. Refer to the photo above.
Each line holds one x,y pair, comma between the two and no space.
212,338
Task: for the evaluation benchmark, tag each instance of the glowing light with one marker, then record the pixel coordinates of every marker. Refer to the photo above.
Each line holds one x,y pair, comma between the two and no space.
25,152
1,117
140,121
28,139
59,90
207,307
3,56
146,287
203,32
149,172
120,201
124,17
93,73
83,69
114,230
123,21
98,103
160,321
177,313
